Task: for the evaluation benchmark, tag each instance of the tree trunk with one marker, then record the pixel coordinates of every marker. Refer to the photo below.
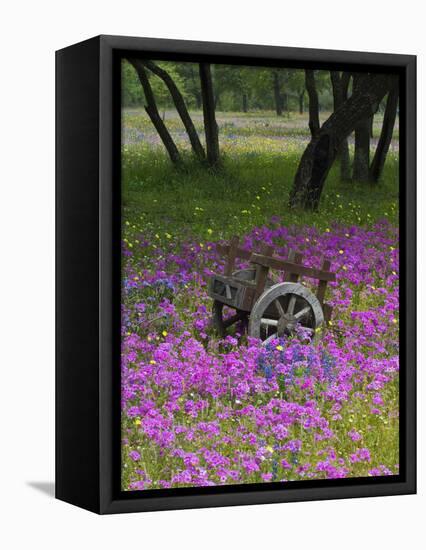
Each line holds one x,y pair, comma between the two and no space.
277,94
311,88
345,159
154,115
362,142
362,151
198,100
320,153
285,103
245,103
385,136
195,92
345,80
180,107
301,102
210,124
216,101
340,89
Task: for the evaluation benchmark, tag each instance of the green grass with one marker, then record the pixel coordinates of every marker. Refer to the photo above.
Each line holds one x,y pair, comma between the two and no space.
249,189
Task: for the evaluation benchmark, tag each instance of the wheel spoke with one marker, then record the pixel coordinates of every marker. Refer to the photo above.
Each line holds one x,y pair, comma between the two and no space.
302,312
279,307
269,322
291,304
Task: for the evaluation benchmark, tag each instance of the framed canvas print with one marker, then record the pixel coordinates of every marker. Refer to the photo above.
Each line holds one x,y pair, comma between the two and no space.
235,274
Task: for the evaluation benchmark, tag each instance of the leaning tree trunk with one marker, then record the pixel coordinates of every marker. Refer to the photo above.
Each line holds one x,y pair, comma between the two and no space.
311,88
385,136
210,124
180,107
154,115
361,166
277,94
320,153
340,85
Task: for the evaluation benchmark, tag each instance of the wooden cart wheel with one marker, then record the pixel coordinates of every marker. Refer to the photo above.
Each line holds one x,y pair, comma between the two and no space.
280,308
222,324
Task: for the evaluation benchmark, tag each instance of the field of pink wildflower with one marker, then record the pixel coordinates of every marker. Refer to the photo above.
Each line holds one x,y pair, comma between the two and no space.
200,411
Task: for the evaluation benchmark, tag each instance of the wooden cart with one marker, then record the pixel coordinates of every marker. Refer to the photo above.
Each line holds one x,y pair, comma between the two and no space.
268,308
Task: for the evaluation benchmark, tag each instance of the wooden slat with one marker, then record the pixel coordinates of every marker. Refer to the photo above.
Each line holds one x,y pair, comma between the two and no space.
232,254
285,265
294,258
322,285
262,270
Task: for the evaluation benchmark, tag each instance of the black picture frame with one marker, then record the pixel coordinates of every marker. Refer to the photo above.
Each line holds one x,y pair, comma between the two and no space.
88,272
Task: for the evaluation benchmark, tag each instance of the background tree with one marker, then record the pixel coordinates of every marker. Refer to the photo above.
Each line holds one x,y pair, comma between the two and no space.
152,111
232,88
180,105
321,152
361,165
278,97
314,124
210,124
385,135
131,90
189,75
340,83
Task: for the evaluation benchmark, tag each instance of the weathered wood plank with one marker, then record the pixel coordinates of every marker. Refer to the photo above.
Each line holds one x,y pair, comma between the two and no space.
294,258
322,285
285,265
262,270
232,254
